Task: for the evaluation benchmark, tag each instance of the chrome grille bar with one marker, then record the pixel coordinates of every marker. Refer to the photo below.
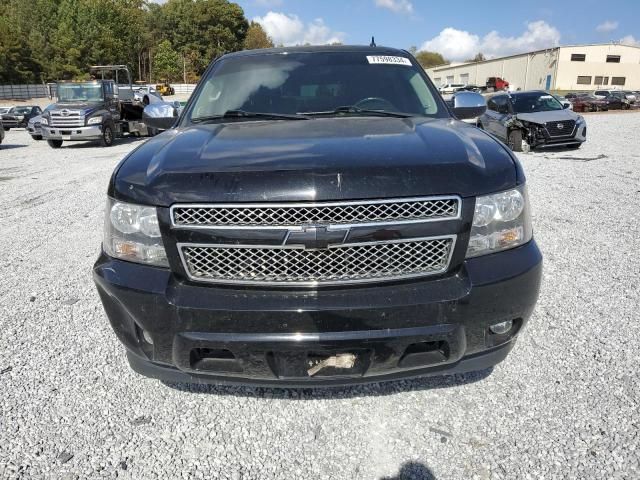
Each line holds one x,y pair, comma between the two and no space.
69,119
338,264
288,215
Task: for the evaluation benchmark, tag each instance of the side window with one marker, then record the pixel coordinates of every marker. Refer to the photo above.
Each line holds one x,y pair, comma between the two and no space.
502,103
491,105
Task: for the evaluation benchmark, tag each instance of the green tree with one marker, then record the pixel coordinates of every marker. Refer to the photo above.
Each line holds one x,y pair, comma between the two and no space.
205,29
166,62
479,57
257,37
47,40
430,59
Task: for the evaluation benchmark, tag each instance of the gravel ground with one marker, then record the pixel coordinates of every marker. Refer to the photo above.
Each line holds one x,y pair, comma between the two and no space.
563,405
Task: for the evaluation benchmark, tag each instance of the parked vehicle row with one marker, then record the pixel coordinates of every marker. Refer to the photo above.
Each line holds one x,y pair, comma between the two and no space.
493,84
18,117
533,119
602,100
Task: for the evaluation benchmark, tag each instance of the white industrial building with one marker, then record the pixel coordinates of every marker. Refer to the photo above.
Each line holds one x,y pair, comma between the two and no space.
575,67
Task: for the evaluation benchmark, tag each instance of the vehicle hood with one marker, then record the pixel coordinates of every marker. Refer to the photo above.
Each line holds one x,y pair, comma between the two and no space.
544,117
34,120
84,108
315,160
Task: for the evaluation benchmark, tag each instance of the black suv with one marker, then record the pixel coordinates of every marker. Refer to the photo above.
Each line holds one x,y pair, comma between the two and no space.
18,117
317,216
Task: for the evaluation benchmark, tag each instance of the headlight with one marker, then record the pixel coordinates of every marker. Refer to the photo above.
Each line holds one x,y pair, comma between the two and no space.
95,120
500,221
580,120
44,121
131,232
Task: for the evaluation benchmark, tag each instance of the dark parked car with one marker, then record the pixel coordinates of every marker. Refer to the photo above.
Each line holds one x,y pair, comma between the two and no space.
617,100
316,216
588,103
534,119
18,117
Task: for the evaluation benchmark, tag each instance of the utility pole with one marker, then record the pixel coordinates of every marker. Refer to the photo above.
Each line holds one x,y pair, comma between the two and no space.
184,68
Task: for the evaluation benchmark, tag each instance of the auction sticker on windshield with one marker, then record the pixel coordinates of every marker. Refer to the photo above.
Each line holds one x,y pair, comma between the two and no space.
386,60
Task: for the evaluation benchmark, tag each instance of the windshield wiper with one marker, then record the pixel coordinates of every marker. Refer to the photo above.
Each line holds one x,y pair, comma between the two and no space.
352,109
241,114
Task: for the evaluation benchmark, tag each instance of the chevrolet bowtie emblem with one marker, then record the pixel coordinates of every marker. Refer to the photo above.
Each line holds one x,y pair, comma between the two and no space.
317,237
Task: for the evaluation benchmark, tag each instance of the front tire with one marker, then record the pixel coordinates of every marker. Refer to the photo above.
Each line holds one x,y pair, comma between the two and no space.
36,137
6,129
515,140
55,143
107,136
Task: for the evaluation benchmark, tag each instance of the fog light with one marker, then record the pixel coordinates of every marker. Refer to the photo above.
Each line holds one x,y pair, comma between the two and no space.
502,327
147,337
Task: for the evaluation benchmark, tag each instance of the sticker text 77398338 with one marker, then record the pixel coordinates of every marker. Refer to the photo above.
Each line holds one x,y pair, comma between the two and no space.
388,60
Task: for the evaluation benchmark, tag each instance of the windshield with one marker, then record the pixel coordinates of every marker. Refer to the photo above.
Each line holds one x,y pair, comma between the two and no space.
80,92
535,102
21,110
306,83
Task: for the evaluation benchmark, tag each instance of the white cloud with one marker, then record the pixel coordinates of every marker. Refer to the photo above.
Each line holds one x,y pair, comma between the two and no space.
397,6
630,40
606,27
290,30
458,45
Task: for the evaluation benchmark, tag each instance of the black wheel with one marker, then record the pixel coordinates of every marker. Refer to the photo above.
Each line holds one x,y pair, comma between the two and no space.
36,137
6,129
107,136
515,140
574,147
55,143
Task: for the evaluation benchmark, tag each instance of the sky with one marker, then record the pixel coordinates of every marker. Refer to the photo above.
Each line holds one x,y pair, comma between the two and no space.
458,29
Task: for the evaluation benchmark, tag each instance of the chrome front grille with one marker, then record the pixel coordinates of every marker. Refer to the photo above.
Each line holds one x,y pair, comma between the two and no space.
66,119
338,264
561,128
326,213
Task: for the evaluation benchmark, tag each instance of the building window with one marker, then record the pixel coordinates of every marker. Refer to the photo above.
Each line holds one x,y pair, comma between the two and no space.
578,57
618,80
601,81
613,58
437,80
582,80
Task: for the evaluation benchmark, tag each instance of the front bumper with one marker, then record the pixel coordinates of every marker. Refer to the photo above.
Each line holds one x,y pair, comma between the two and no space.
34,130
12,123
544,140
94,132
213,334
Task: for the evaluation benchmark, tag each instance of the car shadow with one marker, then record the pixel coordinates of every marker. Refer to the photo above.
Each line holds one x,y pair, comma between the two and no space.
413,471
93,144
328,393
5,146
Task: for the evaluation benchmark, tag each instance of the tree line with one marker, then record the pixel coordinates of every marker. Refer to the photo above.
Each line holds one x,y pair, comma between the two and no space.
49,40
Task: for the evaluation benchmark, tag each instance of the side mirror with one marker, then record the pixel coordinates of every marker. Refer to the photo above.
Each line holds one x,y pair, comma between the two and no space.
160,116
566,105
468,105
